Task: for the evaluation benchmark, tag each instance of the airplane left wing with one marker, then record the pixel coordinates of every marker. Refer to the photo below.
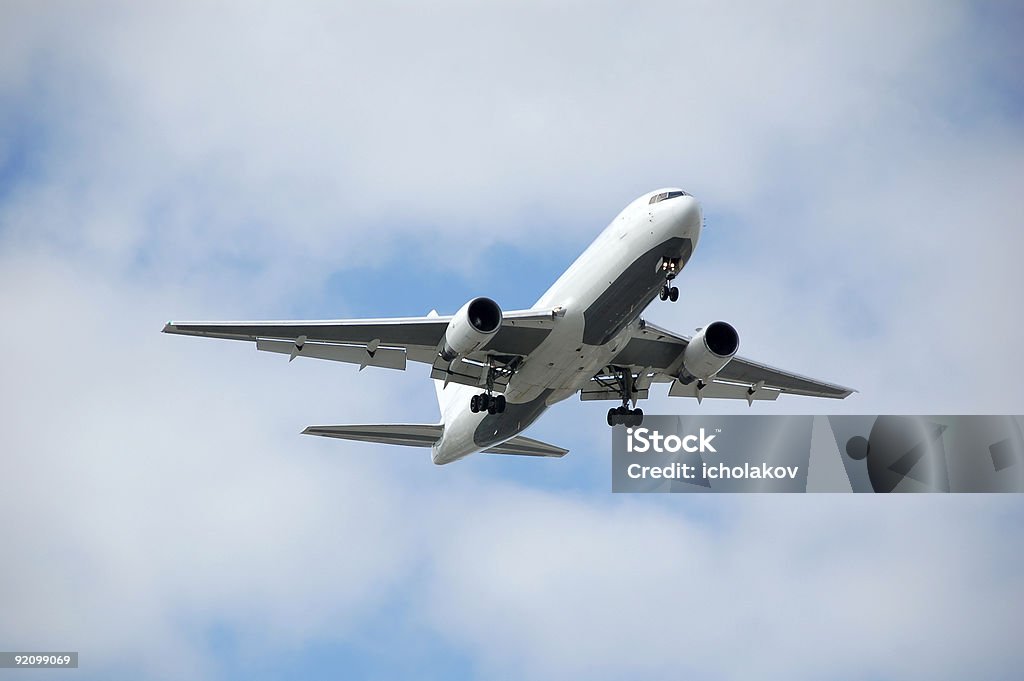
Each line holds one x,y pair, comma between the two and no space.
657,356
384,343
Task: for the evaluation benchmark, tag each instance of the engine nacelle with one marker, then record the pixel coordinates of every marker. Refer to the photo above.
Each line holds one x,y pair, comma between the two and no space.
709,352
470,329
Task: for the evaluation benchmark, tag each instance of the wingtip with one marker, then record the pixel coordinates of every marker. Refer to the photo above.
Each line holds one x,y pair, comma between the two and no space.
168,328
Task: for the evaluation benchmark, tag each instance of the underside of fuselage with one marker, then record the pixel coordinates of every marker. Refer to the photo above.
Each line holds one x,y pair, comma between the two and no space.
603,294
632,291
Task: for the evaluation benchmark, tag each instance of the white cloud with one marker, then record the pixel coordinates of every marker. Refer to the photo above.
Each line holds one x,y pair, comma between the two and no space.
548,587
146,491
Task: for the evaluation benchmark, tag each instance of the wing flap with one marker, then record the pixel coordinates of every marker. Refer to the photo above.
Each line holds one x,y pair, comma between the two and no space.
743,370
388,358
717,390
598,392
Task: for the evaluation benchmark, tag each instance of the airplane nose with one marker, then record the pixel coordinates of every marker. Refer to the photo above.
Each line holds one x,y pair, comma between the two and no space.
692,208
688,215
675,213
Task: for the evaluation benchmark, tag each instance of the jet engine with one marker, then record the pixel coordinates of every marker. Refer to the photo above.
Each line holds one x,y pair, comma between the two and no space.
709,351
470,329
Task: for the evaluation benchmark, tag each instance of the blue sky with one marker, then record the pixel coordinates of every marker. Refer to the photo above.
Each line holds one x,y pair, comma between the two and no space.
858,165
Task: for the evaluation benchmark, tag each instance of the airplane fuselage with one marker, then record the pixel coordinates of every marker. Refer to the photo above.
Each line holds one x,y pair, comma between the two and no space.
602,295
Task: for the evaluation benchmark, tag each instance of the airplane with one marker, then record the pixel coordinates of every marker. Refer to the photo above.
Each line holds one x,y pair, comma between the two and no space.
495,372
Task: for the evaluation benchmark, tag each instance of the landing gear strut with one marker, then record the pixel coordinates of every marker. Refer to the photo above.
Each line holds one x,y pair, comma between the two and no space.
670,266
486,401
624,415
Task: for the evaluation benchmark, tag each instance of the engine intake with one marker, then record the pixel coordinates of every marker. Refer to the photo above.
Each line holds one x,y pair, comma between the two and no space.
709,351
470,328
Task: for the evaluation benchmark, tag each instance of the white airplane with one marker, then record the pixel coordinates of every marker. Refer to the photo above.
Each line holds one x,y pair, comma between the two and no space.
496,372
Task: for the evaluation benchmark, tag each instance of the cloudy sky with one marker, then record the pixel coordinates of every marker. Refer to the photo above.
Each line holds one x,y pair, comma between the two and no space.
860,169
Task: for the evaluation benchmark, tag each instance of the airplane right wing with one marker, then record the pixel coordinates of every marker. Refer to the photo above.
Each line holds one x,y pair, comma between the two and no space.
656,355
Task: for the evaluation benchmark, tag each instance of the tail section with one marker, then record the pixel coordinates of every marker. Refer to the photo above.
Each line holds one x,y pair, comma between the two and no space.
430,434
445,393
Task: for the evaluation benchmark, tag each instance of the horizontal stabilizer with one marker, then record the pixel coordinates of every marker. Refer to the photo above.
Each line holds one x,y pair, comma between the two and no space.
408,434
524,446
425,435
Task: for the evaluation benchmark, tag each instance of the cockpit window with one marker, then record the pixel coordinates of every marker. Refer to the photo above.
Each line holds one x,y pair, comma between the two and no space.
666,195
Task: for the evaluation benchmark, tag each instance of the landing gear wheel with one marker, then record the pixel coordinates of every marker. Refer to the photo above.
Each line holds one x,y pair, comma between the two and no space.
673,294
664,293
492,404
625,416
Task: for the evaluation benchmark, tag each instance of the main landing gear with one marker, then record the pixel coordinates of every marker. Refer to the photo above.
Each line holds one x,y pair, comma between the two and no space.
492,404
670,266
624,416
485,401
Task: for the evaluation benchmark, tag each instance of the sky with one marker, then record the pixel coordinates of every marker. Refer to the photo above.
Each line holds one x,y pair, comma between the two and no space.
859,168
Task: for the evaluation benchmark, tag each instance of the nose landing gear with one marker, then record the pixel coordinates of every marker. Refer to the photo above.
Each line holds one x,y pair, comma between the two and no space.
670,267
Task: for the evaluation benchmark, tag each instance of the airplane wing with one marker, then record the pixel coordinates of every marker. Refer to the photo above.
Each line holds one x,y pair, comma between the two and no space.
657,355
386,343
